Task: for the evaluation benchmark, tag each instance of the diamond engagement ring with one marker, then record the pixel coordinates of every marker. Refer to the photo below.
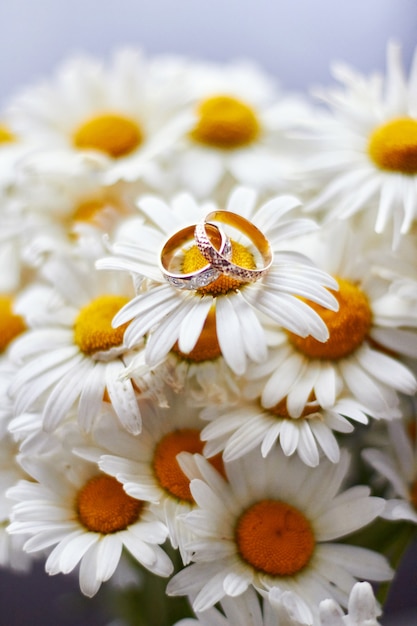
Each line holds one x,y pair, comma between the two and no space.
205,275
219,260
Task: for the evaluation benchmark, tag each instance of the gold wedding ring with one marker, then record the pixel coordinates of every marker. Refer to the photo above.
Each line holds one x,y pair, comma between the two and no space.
208,273
219,260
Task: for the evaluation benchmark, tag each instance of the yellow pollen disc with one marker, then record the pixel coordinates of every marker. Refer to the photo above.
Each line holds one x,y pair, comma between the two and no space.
111,133
11,325
393,146
280,410
5,135
207,347
225,122
194,261
348,326
104,507
167,470
275,538
93,331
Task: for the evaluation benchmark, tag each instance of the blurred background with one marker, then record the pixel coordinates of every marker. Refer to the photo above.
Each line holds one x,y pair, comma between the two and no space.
296,41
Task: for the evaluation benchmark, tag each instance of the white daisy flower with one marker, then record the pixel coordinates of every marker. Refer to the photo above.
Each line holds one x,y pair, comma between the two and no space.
89,519
240,131
398,466
368,149
147,465
113,115
369,336
275,524
300,426
75,357
68,200
363,609
167,315
60,212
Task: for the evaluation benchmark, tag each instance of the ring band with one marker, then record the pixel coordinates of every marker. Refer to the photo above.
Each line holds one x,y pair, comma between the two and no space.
203,276
218,260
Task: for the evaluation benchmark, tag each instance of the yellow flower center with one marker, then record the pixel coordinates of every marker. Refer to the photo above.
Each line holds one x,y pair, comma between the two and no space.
348,327
225,122
93,331
104,507
166,468
393,146
207,347
194,261
11,325
275,538
111,133
6,136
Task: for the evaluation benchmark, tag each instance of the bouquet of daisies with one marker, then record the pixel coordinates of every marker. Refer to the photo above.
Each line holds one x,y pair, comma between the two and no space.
208,335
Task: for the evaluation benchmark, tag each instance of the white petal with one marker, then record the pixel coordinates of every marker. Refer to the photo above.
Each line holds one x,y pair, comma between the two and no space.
161,340
123,398
348,517
242,201
289,437
108,555
229,335
387,370
307,447
326,439
193,323
91,398
252,331
64,395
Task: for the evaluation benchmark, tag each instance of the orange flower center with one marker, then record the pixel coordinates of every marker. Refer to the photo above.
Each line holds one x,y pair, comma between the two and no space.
393,146
348,326
193,261
11,324
207,347
93,331
104,507
166,468
225,122
275,538
280,409
111,133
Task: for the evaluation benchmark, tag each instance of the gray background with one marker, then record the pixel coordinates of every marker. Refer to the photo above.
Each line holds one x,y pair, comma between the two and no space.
294,40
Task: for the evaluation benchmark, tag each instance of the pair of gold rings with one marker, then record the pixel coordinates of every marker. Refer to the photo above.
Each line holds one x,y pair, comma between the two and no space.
216,248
